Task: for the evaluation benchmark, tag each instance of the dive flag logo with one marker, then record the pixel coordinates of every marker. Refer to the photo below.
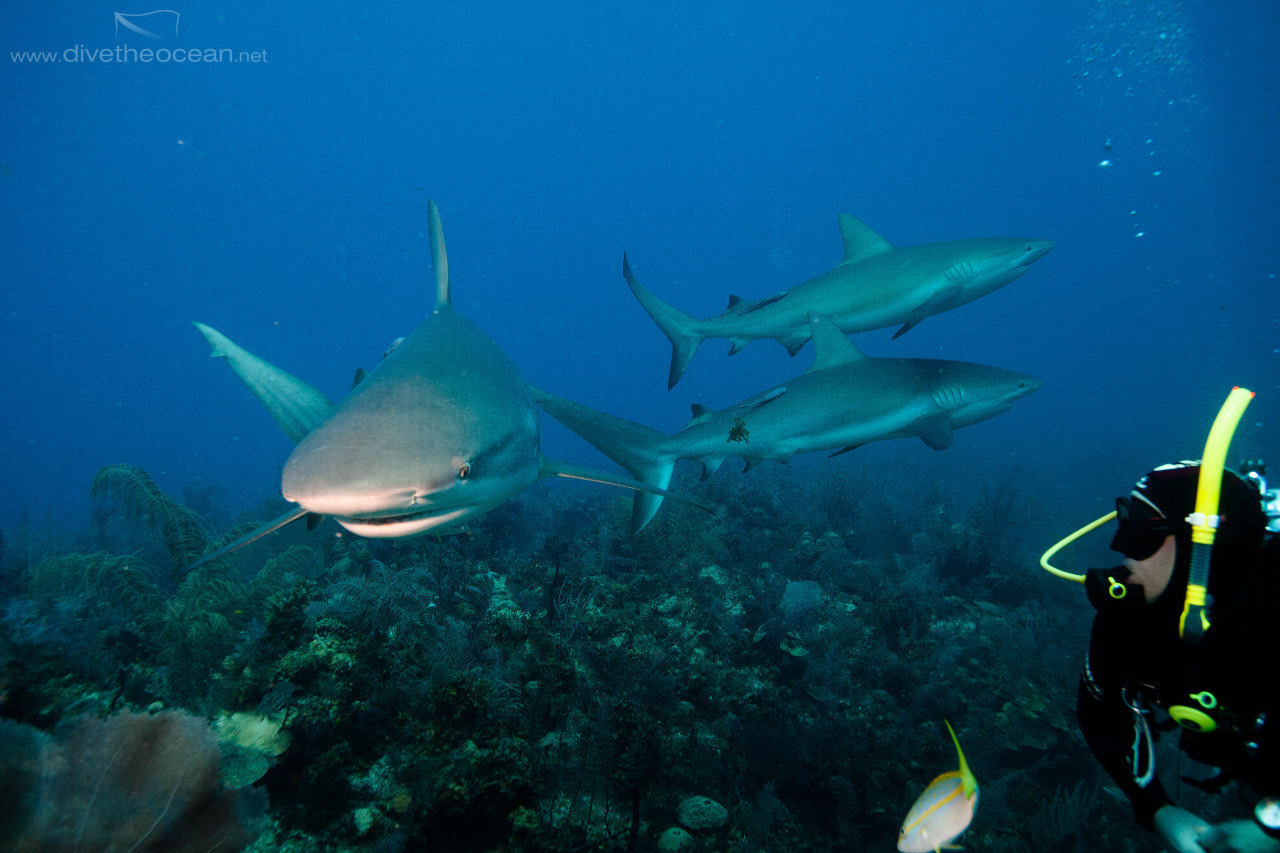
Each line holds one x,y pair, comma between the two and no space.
158,25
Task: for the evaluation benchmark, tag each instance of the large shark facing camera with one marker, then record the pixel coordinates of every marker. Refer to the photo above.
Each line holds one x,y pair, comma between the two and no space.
443,430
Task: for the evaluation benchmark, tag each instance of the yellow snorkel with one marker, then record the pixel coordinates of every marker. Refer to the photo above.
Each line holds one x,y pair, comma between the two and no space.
1203,520
1065,541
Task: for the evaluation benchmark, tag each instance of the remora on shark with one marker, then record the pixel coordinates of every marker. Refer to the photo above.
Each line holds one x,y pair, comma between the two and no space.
845,400
874,286
444,429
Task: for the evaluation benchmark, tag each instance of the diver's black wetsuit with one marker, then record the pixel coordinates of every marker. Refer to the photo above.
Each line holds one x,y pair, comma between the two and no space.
1135,647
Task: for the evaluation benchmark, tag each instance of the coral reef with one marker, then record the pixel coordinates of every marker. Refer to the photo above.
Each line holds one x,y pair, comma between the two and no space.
770,677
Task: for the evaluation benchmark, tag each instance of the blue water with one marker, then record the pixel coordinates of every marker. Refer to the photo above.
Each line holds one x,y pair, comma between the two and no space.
284,201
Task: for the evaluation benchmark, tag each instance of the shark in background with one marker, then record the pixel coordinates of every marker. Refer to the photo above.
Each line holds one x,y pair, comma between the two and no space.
845,400
874,286
443,430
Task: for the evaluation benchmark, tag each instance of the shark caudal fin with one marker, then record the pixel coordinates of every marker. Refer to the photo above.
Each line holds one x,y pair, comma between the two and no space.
294,404
642,451
678,326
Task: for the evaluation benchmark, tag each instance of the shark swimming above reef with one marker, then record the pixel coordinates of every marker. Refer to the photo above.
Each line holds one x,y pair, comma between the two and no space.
875,285
443,430
845,400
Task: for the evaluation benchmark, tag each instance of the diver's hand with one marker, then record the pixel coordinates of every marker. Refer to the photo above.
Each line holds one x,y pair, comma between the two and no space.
1181,830
1238,836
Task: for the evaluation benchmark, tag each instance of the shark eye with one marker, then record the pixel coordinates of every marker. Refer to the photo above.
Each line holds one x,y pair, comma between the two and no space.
464,472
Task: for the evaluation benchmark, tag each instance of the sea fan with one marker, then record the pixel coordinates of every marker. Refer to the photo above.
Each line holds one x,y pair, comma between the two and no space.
141,782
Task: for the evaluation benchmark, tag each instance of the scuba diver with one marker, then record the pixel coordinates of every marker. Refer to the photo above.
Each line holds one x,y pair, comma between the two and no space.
1187,634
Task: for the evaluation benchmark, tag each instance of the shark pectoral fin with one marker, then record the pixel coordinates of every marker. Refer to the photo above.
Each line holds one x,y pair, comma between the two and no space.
256,534
943,300
637,448
844,450
906,327
294,404
934,430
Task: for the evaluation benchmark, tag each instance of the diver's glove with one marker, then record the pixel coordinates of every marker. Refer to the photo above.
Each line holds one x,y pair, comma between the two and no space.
1180,830
1238,836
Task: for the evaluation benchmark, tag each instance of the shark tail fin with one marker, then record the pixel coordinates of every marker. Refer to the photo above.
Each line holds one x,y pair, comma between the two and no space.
642,451
294,404
679,327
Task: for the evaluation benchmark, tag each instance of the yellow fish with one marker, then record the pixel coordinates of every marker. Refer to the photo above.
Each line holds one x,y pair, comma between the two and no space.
944,810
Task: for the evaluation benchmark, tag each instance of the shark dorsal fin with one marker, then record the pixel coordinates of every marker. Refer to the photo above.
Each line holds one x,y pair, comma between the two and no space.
439,259
733,300
830,346
859,240
700,413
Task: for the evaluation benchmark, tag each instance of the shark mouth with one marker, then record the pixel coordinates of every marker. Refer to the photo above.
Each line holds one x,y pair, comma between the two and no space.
384,514
406,524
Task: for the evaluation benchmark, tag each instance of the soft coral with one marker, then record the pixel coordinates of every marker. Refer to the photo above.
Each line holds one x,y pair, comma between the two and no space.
130,782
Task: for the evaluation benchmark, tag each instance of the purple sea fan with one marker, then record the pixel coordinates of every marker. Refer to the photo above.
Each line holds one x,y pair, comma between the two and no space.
133,782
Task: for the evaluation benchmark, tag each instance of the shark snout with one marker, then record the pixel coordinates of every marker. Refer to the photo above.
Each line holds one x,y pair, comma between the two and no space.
1025,386
1018,389
1036,249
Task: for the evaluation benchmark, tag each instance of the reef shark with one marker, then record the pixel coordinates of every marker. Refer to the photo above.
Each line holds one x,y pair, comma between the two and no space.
875,285
444,429
845,400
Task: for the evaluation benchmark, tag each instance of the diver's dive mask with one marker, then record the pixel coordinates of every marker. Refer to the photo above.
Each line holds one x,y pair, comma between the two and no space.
1141,528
